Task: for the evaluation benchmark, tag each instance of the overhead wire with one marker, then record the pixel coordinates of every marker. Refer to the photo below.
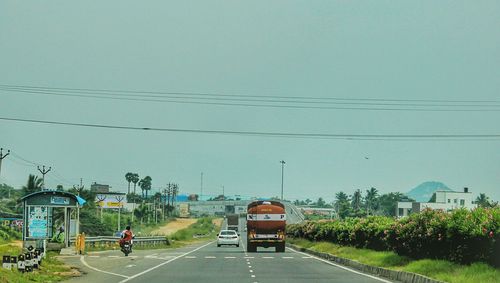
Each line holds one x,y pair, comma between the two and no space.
252,101
266,134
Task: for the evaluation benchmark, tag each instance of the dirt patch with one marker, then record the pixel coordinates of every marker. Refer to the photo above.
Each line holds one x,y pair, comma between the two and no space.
174,226
217,222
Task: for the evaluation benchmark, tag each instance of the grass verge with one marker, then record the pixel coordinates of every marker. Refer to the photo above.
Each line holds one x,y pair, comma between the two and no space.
438,269
51,270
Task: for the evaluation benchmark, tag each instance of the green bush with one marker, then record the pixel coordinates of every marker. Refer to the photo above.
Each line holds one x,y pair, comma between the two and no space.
461,235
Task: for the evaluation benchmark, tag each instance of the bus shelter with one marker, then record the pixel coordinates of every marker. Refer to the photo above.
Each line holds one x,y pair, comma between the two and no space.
39,211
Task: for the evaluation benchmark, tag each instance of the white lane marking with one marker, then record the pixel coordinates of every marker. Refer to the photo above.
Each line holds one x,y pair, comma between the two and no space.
340,266
253,276
130,265
210,257
163,263
249,266
248,263
268,257
82,259
287,257
251,271
229,257
190,257
94,256
247,257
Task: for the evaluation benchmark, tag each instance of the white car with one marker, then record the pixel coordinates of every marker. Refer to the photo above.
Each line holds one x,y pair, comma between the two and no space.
228,237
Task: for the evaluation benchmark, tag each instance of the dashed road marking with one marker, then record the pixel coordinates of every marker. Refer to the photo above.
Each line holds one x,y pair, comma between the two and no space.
253,276
189,256
94,256
113,256
268,257
249,257
287,257
250,271
130,265
229,257
210,257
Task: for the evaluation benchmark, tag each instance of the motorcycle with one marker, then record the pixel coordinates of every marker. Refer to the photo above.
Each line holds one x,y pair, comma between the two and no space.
127,248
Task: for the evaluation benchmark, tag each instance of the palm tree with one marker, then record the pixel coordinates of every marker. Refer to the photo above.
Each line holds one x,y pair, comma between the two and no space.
483,201
135,179
145,185
356,199
34,185
371,200
129,177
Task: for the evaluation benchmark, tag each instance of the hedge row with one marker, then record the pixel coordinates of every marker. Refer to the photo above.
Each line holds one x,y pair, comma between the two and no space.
461,236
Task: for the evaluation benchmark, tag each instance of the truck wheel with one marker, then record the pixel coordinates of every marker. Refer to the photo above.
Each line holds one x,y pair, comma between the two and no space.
280,248
251,248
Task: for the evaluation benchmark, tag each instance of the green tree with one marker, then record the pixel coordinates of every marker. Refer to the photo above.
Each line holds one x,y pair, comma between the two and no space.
388,202
371,200
145,185
135,179
484,201
321,202
129,176
342,204
357,200
33,185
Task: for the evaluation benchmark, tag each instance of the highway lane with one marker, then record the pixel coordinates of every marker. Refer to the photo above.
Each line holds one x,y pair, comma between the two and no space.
208,263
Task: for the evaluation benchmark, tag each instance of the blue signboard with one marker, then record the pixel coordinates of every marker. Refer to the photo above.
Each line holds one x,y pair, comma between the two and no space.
37,222
59,200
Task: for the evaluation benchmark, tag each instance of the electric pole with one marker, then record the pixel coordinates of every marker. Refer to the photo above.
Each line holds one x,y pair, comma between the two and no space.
78,191
43,171
2,156
201,186
282,171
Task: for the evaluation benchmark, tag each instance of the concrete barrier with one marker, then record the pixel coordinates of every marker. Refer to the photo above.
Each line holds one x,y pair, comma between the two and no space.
402,276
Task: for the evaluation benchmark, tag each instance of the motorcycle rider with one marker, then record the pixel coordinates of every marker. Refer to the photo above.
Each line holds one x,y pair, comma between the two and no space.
126,236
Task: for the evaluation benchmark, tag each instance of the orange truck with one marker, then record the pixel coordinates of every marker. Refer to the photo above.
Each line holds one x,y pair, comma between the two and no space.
266,223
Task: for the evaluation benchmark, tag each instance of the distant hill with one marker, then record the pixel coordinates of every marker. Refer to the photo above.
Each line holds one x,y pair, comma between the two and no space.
424,191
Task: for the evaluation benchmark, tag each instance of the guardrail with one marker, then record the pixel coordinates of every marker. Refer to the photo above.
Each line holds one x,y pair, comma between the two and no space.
109,241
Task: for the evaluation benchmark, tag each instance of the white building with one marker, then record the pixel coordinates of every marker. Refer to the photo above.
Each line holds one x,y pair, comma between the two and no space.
445,200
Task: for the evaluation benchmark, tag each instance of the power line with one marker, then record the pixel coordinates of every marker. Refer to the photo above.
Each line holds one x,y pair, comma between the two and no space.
242,95
297,103
268,134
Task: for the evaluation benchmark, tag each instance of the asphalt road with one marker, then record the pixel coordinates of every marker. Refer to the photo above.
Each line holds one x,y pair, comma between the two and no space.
208,263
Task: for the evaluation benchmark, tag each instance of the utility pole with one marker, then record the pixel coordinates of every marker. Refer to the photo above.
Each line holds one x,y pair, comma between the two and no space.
2,156
78,191
119,199
43,171
282,170
201,186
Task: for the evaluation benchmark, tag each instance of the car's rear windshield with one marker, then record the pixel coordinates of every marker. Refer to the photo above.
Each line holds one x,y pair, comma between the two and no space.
228,233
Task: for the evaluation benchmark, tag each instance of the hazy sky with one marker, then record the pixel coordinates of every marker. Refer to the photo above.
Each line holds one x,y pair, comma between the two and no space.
391,52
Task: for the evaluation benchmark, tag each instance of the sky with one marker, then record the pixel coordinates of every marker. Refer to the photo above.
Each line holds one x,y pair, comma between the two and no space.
405,71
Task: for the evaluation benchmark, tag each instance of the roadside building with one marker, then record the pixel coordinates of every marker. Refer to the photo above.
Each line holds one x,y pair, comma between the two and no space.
445,200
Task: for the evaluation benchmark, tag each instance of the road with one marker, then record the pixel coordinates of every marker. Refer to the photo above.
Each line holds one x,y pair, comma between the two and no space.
208,263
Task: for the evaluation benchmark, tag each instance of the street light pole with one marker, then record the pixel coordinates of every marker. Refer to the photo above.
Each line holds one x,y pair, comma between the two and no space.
282,171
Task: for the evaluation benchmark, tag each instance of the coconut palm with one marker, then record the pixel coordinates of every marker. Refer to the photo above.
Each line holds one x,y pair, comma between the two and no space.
135,179
483,201
33,185
371,200
129,177
356,199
